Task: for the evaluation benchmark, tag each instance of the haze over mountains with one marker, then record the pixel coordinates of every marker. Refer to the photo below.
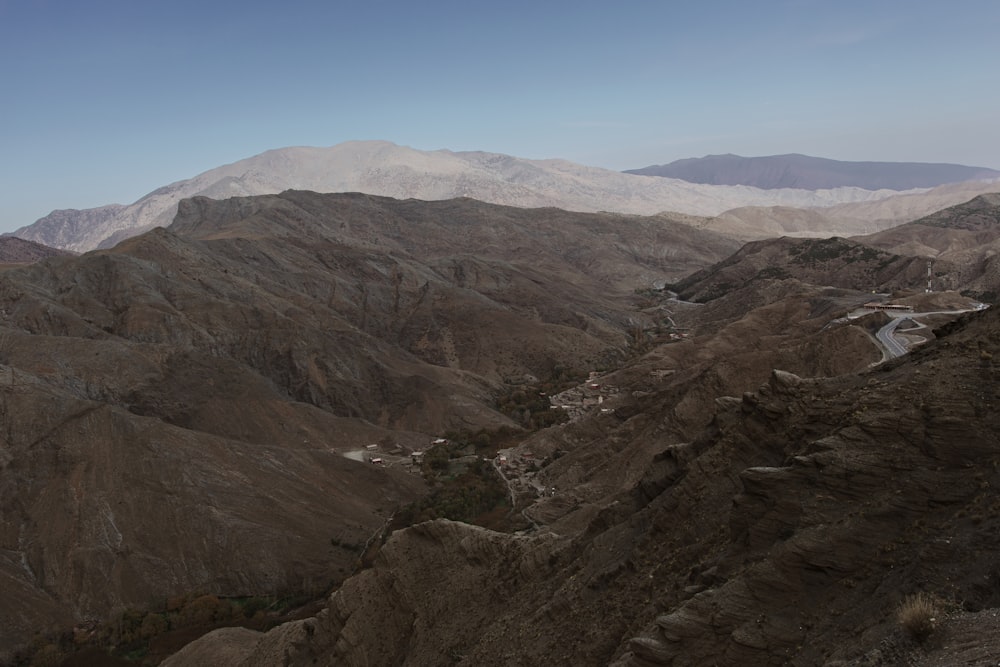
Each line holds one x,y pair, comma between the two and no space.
813,173
382,168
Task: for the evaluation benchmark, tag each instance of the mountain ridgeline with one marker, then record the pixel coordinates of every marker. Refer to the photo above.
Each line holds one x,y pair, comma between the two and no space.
385,169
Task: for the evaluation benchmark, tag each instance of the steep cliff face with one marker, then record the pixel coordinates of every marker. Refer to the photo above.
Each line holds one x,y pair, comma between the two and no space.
787,532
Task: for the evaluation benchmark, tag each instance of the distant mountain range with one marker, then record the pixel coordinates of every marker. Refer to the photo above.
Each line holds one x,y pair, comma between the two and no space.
385,169
963,241
813,173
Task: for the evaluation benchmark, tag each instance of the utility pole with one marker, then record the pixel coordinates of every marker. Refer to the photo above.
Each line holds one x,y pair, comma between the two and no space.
930,264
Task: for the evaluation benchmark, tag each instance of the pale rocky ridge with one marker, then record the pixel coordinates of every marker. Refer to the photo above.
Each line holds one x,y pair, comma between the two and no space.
755,223
961,243
382,168
962,240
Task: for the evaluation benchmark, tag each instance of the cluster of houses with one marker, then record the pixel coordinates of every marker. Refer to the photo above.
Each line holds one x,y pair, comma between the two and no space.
374,456
581,399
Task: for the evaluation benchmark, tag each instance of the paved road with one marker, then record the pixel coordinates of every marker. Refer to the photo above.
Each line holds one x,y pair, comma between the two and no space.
886,335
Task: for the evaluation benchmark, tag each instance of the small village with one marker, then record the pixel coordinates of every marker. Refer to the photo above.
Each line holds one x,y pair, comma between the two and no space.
584,398
393,455
517,468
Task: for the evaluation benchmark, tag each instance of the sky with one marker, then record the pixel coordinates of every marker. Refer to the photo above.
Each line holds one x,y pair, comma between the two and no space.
104,101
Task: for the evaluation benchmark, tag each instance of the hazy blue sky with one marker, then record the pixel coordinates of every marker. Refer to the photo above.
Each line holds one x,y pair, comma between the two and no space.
105,100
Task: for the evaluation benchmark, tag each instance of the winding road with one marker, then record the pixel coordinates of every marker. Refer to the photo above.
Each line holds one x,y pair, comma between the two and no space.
887,334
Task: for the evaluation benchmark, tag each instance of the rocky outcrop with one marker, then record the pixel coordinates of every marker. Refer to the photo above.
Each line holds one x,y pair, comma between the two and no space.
842,514
433,586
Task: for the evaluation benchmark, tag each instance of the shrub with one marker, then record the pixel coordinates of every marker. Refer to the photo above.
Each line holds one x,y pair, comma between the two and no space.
203,609
918,615
254,605
152,625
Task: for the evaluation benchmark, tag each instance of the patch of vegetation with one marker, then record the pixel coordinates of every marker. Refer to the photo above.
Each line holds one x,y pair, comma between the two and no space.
917,614
344,544
131,635
817,251
886,261
971,216
650,292
865,254
715,291
466,485
528,404
987,296
648,297
814,251
773,272
467,497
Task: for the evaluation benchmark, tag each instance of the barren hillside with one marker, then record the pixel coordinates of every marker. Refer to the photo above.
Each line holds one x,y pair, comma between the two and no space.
964,237
834,261
787,530
742,481
15,251
177,409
